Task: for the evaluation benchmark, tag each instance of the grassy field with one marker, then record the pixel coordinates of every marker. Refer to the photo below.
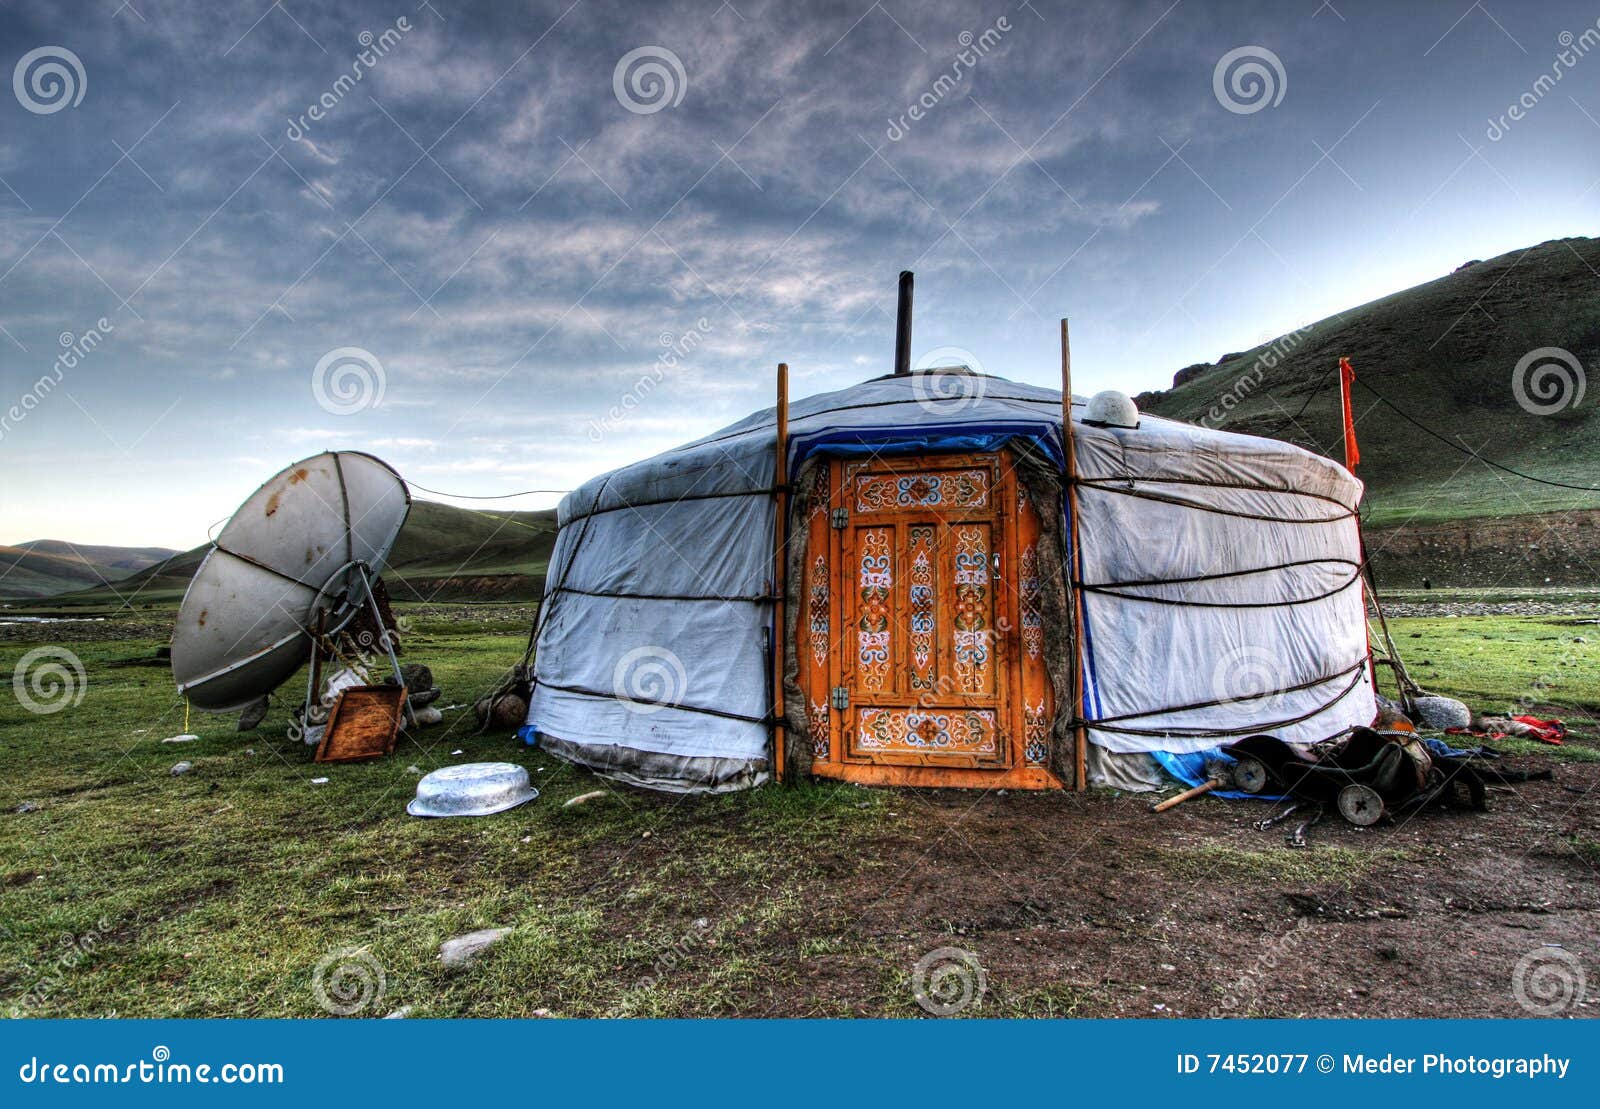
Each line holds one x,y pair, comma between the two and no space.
126,890
1500,662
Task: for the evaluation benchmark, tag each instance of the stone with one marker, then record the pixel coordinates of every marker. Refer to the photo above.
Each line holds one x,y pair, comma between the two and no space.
507,712
417,677
427,718
461,950
181,768
1439,713
399,1014
252,716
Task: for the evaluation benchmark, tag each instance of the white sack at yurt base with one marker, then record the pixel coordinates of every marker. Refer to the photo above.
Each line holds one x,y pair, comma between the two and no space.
1218,575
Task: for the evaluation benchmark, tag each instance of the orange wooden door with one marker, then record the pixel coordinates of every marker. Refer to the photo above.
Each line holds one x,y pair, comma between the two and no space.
921,664
921,646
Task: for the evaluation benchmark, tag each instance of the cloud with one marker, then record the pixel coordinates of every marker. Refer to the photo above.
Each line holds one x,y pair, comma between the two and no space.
510,242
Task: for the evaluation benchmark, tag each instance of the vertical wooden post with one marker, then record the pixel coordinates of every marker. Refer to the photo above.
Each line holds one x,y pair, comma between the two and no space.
780,557
314,678
1074,597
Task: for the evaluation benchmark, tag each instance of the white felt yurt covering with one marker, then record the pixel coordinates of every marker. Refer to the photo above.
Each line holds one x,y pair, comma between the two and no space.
1219,576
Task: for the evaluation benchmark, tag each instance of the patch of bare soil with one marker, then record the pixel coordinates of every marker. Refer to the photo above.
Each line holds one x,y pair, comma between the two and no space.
1089,905
1422,918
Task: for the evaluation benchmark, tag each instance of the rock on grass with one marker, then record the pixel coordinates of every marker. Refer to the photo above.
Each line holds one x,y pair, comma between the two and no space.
462,950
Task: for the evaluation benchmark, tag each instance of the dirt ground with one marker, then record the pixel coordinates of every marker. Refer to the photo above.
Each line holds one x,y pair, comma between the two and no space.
1089,905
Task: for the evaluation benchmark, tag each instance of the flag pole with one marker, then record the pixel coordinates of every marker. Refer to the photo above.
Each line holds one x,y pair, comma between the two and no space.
1352,458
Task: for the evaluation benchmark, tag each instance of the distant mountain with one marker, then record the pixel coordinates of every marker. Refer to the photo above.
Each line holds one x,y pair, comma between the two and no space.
443,554
45,567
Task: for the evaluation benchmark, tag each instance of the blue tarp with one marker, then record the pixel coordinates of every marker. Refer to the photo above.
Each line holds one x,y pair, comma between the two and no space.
1190,769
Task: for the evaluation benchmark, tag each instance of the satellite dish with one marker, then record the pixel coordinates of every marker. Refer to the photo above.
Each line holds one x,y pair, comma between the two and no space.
303,545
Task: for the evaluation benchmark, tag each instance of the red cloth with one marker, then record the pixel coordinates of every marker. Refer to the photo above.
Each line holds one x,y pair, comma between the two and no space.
1553,732
1347,377
1545,731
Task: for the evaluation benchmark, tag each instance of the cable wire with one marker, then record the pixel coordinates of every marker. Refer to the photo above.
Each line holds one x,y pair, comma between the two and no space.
495,497
1468,451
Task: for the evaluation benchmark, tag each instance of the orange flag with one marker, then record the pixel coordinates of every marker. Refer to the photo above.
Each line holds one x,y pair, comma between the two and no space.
1352,453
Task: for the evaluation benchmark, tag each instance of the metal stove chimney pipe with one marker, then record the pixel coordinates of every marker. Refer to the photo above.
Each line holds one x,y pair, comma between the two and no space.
902,327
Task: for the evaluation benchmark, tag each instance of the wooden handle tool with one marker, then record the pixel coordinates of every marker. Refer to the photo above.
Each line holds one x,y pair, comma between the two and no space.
1204,787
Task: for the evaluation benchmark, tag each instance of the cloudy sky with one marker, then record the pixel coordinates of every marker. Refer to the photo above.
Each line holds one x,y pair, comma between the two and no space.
466,258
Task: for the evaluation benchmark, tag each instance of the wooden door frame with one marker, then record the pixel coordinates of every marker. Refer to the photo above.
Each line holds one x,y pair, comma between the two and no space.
1006,644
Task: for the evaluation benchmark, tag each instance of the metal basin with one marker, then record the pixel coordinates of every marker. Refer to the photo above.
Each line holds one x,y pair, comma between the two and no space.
472,789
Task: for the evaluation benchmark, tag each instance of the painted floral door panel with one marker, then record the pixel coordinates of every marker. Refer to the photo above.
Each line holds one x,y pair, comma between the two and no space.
920,651
922,614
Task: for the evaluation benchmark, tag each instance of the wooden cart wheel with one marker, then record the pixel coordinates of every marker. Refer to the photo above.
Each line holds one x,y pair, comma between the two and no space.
1360,805
1250,774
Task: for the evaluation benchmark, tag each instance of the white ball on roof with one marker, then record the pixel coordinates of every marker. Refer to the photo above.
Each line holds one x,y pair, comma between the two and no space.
1109,408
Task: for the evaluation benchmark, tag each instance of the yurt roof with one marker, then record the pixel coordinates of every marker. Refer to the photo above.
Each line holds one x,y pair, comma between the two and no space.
951,409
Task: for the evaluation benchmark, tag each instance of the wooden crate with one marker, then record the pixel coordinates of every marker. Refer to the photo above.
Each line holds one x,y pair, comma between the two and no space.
364,723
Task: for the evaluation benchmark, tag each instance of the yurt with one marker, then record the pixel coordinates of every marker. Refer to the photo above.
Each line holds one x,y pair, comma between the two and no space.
920,580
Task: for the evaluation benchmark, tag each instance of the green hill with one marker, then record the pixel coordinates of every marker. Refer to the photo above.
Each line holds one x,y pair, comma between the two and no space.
45,567
447,553
1445,353
443,554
